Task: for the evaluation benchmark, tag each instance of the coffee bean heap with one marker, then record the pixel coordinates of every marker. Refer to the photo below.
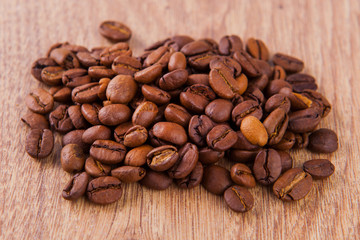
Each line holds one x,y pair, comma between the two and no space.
172,113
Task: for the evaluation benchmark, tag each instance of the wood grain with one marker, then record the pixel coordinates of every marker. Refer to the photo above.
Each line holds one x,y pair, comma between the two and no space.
325,34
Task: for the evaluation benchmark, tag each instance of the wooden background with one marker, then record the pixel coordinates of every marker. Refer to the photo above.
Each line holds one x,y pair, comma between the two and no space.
325,34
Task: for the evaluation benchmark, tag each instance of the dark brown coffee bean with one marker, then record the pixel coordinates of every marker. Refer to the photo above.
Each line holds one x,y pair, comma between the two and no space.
128,174
177,114
210,156
65,58
318,101
72,158
107,151
267,166
223,83
275,86
196,97
254,93
137,156
304,120
257,49
298,101
323,141
245,109
243,144
279,73
198,79
39,101
319,168
216,179
301,140
87,59
156,180
76,116
177,61
114,114
86,93
242,156
277,101
286,161
188,157
226,63
39,65
149,74
154,94
290,64
91,113
52,75
61,94
115,31
276,124
287,142
193,179
301,81
95,168
260,82
76,186
293,185
242,175
108,55
104,190
75,77
126,65
145,114
221,138
75,137
195,47
98,132
35,121
230,44
248,64
98,72
202,61
162,158
239,199
173,80
135,136
120,131
159,56
199,127
121,89
39,143
170,132
60,120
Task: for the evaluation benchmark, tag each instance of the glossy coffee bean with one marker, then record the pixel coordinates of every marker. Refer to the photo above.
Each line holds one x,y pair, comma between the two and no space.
145,114
75,77
159,56
216,179
39,65
156,180
248,64
126,65
301,81
91,113
230,44
135,136
254,131
35,121
221,138
245,109
87,93
39,101
239,199
201,62
170,132
319,168
120,131
128,174
76,186
290,64
177,61
115,31
39,143
208,155
277,101
108,55
177,114
98,132
173,80
59,119
76,116
65,58
276,124
72,158
199,127
242,175
52,75
188,157
149,74
98,72
267,166
223,83
87,59
61,94
304,120
257,49
286,161
75,137
155,95
195,47
162,158
121,89
219,110
323,141
193,179
95,168
114,114
287,142
196,97
104,190
136,157
107,151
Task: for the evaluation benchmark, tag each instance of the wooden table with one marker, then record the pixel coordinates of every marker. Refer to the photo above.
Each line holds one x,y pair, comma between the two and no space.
325,34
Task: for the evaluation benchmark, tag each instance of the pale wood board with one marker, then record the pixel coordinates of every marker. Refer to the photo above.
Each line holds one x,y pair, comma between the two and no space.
325,34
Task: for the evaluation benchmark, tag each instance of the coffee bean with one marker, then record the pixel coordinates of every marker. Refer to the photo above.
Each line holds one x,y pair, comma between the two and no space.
98,132
254,93
216,179
275,86
103,84
254,131
75,137
145,114
60,120
87,59
52,75
170,132
114,114
319,168
121,89
242,175
257,49
196,97
181,40
135,136
221,138
323,141
137,156
243,144
76,186
209,156
193,179
199,127
39,143
76,116
301,140
239,199
260,82
177,114
219,110
248,64
98,72
245,109
230,44
202,61
108,55
318,101
39,101
128,174
301,81
226,63
35,121
72,158
286,161
107,151
115,31
290,64
223,83
120,131
277,101
159,56
298,101
61,94
91,113
177,61
104,190
267,166
287,142
195,47
304,120
276,124
173,80
87,93
188,157
162,158
198,79
95,168
149,74
126,65
65,58
293,185
279,73
39,65
156,180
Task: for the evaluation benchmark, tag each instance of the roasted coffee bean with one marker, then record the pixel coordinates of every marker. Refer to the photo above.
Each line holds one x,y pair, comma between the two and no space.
195,48
293,185
242,156
267,166
95,168
286,161
39,101
87,93
301,81
76,186
216,179
199,127
173,80
52,75
318,101
287,142
193,179
39,65
202,61
115,31
65,58
254,93
156,180
248,64
277,101
288,63
121,89
114,114
323,141
223,83
149,74
98,132
39,143
103,84
275,86
154,94
319,168
208,155
264,67
35,121
298,101
243,144
239,199
279,73
254,131
213,44
230,44
75,77
198,79
301,140
60,120
177,114
181,40
91,113
162,158
219,110
242,175
137,156
177,61
221,138
159,56
74,48
196,97
96,51
257,49
188,157
260,82
72,158
276,124
104,190
120,131
87,59
135,136
107,151
304,120
172,133
157,44
98,72
128,174
245,109
242,83
76,116
108,55
145,114
126,65
61,94
75,137
226,63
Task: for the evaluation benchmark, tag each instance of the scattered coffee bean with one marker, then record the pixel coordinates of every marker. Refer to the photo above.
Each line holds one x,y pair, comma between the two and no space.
104,190
72,158
267,166
39,143
239,199
115,31
76,186
216,179
128,174
323,141
242,175
319,168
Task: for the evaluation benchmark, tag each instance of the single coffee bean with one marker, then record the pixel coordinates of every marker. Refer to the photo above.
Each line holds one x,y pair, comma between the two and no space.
267,166
293,185
226,63
286,161
188,157
323,141
61,94
97,72
304,120
177,61
95,168
243,144
318,101
135,136
52,75
65,58
277,101
209,156
87,93
170,132
177,114
301,81
245,109
248,63
72,158
290,64
60,120
91,113
202,61
276,124
219,110
156,180
287,142
193,179
230,44
126,65
162,158
254,93
149,74
120,131
301,140
104,190
115,31
121,89
137,156
114,114
76,186
319,168
195,48
275,86
181,40
87,59
98,132
159,56
128,174
108,55
39,101
242,175
154,94
196,97
39,143
39,65
260,82
145,114
257,49
254,131
107,151
76,116
75,137
103,84
223,83
75,77
216,179
198,79
239,199
221,138
242,156
35,121
199,127
173,80
279,73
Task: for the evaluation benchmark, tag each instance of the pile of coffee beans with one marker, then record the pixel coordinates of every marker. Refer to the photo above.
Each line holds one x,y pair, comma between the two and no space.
169,116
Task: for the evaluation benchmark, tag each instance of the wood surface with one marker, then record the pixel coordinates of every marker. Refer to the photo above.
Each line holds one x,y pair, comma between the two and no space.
325,34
